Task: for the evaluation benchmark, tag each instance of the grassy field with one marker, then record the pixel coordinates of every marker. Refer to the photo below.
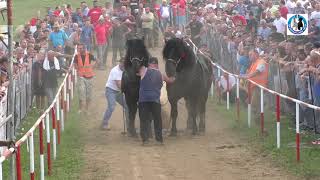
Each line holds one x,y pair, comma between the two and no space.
266,145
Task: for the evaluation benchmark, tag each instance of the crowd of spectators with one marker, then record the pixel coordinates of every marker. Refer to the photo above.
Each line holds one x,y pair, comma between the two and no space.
235,33
239,33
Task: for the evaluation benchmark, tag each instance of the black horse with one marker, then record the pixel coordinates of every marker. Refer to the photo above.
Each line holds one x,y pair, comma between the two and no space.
136,56
192,82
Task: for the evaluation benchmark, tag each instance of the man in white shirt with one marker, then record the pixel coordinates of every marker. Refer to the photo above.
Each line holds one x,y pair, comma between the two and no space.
280,23
291,4
224,86
315,15
165,15
113,94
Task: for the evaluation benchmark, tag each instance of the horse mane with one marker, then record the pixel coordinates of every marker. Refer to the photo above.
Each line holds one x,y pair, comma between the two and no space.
136,48
176,48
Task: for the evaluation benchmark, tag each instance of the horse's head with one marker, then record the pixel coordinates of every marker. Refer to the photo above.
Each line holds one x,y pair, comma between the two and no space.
178,55
137,54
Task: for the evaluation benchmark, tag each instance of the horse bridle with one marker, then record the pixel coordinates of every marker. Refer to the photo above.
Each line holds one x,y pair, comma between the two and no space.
176,63
136,59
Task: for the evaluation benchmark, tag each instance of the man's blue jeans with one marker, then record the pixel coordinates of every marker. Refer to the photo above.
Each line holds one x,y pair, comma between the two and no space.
114,96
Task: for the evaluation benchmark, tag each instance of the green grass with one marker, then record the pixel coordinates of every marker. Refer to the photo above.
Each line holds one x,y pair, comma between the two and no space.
69,153
284,157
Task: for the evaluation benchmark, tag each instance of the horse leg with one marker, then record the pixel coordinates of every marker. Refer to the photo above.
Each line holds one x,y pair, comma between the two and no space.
202,123
189,120
174,115
132,115
194,121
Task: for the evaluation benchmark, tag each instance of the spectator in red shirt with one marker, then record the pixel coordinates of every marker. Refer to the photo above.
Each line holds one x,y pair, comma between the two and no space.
101,39
283,9
95,13
238,19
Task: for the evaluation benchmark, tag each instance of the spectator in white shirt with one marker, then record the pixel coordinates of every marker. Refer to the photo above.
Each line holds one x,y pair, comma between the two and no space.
113,94
280,23
223,88
291,4
315,15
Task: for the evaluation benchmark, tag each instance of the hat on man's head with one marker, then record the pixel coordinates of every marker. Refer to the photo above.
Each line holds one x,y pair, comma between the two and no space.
153,60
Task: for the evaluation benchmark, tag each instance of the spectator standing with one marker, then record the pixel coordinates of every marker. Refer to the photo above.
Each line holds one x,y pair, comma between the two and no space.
155,30
87,35
84,63
52,68
224,88
77,17
283,9
95,13
252,25
315,15
113,94
38,88
264,31
291,4
258,73
280,23
57,37
240,8
84,9
195,28
119,32
101,33
147,26
165,16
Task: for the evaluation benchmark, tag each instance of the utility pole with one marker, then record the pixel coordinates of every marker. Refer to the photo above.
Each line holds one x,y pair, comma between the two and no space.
11,84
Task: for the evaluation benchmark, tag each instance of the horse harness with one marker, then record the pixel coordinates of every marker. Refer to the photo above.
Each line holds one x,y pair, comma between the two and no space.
176,63
136,59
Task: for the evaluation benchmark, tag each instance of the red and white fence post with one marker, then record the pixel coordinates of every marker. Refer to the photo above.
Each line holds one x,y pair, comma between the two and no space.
219,84
57,110
1,176
297,132
65,100
68,93
249,104
261,111
31,156
228,93
18,162
54,135
48,144
41,147
62,110
278,119
238,99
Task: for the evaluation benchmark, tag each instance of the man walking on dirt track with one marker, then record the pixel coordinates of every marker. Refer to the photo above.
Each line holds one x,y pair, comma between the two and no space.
84,62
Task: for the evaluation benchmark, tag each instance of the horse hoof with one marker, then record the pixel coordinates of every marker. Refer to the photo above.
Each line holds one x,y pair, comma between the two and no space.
201,133
133,135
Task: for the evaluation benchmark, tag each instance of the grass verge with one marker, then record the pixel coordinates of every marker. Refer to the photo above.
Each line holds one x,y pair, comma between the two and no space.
284,157
69,160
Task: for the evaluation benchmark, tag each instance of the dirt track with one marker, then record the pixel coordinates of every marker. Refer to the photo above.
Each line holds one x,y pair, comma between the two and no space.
220,154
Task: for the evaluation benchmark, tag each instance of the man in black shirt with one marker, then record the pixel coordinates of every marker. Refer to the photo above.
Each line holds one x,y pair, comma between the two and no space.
195,28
